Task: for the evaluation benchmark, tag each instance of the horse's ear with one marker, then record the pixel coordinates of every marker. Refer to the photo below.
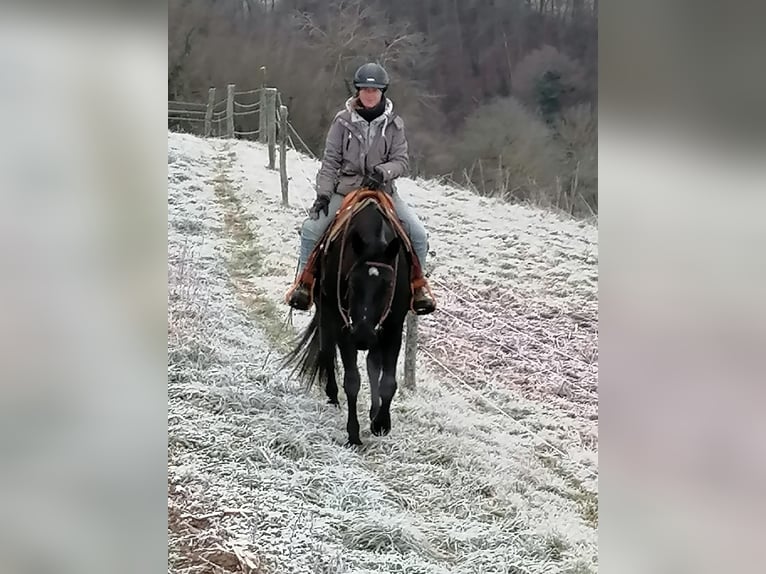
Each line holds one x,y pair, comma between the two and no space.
392,249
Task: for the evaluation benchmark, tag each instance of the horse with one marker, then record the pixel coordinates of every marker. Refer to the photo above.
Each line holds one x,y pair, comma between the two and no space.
362,294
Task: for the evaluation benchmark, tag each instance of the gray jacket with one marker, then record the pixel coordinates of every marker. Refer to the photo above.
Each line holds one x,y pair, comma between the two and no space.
354,146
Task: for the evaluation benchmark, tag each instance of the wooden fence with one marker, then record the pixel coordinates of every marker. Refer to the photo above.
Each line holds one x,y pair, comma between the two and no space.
260,113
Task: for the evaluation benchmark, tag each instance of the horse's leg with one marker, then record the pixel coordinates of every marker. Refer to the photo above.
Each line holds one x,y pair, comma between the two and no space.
328,358
389,352
373,372
331,388
348,355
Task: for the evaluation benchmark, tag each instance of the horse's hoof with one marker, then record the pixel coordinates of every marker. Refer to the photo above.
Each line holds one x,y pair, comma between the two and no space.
333,402
352,444
380,428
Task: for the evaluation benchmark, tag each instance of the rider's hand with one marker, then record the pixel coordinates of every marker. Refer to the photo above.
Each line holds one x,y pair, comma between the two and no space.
322,203
373,180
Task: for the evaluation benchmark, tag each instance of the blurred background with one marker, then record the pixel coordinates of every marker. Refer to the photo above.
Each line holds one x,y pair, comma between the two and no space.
82,290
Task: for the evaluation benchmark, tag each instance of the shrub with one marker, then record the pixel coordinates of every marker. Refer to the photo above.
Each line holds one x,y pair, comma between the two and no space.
548,81
506,151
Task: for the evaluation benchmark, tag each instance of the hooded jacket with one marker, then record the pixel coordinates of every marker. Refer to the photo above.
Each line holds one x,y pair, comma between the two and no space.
355,146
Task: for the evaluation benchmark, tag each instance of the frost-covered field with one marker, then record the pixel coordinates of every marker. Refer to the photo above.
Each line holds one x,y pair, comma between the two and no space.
491,465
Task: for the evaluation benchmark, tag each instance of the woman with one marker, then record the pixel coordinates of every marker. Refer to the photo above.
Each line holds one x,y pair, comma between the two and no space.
365,148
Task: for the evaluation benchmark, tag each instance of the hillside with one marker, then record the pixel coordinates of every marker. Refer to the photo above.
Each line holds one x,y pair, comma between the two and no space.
491,465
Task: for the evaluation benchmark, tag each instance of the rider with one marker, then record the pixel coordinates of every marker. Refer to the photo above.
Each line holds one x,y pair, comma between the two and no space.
365,148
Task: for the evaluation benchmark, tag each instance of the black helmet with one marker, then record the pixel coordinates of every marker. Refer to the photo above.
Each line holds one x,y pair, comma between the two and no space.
371,76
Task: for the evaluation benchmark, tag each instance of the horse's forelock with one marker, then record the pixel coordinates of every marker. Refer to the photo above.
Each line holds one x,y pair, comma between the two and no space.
372,229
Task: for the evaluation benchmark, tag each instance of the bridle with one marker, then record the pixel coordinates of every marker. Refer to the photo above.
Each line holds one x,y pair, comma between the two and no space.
371,264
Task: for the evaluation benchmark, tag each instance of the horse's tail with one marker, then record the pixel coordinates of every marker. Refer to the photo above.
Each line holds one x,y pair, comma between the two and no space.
307,359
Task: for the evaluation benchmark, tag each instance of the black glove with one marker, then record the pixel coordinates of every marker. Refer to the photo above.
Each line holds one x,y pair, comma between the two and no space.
373,180
321,203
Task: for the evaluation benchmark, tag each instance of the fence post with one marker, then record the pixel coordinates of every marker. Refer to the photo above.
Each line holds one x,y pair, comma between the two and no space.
209,112
262,118
262,135
410,350
230,111
283,152
270,113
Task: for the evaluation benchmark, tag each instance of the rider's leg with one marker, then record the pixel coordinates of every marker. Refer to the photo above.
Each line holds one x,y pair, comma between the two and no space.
299,295
423,302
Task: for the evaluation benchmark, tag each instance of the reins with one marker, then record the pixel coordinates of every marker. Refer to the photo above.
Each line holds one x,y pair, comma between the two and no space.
392,287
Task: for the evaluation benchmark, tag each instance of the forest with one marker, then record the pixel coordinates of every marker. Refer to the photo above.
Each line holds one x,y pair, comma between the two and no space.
499,96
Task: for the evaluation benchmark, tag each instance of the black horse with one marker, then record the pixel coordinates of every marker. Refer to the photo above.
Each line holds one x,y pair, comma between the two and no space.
362,295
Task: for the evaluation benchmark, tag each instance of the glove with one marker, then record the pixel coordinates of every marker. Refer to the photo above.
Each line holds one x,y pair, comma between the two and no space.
321,203
373,180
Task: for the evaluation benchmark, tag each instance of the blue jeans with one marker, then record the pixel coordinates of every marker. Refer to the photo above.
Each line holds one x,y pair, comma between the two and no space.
313,229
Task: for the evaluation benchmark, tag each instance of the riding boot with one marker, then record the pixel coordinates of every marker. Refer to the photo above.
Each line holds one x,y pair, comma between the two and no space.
299,296
423,301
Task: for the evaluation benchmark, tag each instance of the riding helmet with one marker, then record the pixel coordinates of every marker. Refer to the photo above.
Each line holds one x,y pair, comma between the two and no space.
371,75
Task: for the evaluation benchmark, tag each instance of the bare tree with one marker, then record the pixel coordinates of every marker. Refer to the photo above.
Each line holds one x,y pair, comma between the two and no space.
447,59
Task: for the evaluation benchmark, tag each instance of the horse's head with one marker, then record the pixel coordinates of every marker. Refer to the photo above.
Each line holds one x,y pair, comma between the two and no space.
371,286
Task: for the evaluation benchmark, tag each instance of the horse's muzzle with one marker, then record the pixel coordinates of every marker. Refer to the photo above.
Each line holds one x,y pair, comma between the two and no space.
363,336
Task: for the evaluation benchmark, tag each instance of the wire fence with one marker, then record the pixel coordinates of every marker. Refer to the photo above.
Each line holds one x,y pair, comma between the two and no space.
240,114
254,114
